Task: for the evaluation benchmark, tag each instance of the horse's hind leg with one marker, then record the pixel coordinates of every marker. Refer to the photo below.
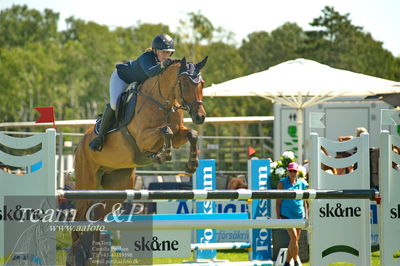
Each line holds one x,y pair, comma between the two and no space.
85,176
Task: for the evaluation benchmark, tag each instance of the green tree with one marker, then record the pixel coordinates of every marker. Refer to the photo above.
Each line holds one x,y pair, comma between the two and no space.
261,50
225,63
134,40
27,79
98,54
20,25
71,69
339,43
28,61
255,52
194,33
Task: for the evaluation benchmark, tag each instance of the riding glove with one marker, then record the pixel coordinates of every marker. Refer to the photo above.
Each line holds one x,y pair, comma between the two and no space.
167,62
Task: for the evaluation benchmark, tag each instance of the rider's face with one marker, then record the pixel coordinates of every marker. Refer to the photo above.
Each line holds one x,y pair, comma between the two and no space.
162,55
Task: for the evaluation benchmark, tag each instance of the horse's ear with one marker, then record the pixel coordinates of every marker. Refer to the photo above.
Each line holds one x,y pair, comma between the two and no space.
202,63
183,65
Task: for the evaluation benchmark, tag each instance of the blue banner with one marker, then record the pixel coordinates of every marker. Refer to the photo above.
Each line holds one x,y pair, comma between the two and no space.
205,174
260,238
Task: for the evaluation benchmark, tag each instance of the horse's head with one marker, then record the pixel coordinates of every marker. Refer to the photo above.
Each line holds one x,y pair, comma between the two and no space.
190,89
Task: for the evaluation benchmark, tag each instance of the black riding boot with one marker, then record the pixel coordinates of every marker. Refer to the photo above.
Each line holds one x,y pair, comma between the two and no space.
97,143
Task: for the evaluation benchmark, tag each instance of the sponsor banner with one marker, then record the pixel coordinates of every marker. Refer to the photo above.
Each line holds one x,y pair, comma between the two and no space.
261,240
374,224
204,179
25,218
155,244
222,235
232,235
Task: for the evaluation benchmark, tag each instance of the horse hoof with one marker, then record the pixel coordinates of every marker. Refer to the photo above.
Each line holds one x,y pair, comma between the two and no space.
194,164
190,168
160,158
157,160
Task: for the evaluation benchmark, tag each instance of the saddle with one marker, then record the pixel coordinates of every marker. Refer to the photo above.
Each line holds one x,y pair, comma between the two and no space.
124,113
125,109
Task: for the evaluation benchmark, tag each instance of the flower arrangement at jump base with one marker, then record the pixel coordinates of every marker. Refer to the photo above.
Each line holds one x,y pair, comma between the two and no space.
279,168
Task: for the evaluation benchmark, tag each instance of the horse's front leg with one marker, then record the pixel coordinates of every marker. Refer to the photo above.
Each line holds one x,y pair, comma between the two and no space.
193,162
180,138
168,134
165,153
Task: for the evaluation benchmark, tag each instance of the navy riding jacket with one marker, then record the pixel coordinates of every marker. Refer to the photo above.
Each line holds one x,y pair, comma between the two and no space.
144,67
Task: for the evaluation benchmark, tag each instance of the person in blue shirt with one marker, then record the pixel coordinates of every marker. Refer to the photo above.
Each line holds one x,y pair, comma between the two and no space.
292,209
147,65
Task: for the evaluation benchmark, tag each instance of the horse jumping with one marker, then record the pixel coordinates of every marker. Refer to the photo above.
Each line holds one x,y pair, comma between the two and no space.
156,127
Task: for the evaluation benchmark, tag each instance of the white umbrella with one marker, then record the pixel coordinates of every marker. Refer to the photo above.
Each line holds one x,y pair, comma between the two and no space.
302,83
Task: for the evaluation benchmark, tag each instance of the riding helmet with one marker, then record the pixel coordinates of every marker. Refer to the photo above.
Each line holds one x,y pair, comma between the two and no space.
163,42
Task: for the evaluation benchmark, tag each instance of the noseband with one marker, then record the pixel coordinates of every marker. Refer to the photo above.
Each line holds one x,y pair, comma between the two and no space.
186,105
170,109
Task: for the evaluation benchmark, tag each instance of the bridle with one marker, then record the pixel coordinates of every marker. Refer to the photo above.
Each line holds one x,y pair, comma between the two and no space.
186,105
166,106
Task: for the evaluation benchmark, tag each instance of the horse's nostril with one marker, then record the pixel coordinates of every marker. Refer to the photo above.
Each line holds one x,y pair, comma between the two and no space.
200,118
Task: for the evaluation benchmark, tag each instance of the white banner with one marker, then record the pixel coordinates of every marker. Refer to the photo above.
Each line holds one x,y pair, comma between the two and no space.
156,244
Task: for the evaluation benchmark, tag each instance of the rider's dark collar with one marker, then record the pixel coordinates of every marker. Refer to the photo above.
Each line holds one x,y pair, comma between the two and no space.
155,55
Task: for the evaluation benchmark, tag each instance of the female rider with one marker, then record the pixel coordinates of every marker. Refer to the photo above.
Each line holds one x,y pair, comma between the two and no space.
147,65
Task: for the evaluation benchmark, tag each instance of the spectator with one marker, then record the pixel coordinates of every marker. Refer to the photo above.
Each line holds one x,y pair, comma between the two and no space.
346,154
327,168
5,168
345,170
359,131
292,209
396,150
237,182
69,184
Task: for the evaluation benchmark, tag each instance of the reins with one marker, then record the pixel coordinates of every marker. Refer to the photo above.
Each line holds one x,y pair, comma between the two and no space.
185,105
166,105
163,107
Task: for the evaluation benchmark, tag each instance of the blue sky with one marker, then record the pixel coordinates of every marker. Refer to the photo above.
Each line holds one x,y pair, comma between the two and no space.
379,17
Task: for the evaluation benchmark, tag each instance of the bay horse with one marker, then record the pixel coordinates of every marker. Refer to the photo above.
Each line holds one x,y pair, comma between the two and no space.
157,125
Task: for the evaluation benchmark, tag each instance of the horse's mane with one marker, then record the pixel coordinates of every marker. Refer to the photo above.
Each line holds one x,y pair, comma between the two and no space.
167,76
176,63
171,72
